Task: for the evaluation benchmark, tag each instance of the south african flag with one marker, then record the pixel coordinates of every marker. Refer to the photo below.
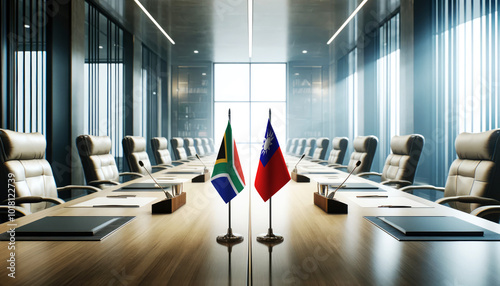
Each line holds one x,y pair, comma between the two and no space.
227,176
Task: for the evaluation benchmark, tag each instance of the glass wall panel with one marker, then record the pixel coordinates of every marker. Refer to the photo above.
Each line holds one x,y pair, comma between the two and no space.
103,79
26,60
466,42
388,76
249,117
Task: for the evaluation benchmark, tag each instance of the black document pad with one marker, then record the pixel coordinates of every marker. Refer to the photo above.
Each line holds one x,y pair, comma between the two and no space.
68,228
145,187
432,228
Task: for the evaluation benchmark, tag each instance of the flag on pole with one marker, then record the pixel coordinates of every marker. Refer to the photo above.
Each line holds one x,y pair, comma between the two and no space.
272,173
227,176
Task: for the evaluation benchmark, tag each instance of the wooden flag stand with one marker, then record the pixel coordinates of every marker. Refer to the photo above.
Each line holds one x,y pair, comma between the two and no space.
270,238
229,237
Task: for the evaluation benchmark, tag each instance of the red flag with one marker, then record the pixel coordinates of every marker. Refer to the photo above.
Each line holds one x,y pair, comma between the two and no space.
272,173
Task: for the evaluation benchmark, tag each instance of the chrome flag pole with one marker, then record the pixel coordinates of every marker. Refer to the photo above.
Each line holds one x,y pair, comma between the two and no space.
270,238
230,238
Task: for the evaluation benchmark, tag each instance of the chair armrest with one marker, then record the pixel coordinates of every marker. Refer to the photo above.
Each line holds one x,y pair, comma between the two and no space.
485,211
401,183
365,174
338,166
18,212
131,174
166,165
91,189
163,167
469,199
36,199
98,183
410,189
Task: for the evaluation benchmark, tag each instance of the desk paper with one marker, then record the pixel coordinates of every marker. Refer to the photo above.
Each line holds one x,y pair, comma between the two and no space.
103,201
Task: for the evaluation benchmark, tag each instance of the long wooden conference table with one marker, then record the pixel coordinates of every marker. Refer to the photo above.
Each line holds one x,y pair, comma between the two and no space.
318,248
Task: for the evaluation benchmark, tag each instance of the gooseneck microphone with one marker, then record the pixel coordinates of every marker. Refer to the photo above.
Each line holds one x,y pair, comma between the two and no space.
301,157
332,194
167,194
197,156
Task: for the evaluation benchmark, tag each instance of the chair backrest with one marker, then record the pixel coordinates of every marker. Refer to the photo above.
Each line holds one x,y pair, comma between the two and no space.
321,148
301,145
160,150
364,151
339,148
476,171
211,144
206,145
134,150
97,161
178,148
198,144
402,163
288,145
189,146
293,148
310,145
22,155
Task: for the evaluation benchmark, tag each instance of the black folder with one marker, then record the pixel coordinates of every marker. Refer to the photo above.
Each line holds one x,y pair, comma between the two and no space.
432,226
69,228
65,226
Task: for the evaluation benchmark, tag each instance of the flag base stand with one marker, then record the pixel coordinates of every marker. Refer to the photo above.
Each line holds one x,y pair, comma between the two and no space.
229,238
270,238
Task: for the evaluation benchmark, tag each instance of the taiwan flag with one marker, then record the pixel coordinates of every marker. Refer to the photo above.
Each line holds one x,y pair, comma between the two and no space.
227,176
272,173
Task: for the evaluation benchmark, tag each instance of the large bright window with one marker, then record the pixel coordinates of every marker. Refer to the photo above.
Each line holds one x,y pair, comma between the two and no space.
466,43
388,74
249,90
103,79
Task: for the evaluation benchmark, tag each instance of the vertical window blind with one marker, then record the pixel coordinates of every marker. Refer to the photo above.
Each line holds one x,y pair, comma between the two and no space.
104,85
27,66
388,89
466,42
154,81
347,86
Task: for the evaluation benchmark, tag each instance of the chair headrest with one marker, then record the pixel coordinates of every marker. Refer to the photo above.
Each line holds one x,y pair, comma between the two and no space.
89,145
135,143
478,146
364,143
339,143
178,142
309,141
402,145
160,142
322,143
22,146
189,141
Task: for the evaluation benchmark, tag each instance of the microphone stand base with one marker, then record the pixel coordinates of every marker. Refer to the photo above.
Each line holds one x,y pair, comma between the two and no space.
202,178
330,206
300,178
168,206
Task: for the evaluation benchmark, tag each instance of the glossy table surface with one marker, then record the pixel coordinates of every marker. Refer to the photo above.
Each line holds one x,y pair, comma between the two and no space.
318,248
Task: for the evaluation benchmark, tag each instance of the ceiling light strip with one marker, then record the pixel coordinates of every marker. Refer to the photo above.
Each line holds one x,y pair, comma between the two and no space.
347,21
154,21
250,27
